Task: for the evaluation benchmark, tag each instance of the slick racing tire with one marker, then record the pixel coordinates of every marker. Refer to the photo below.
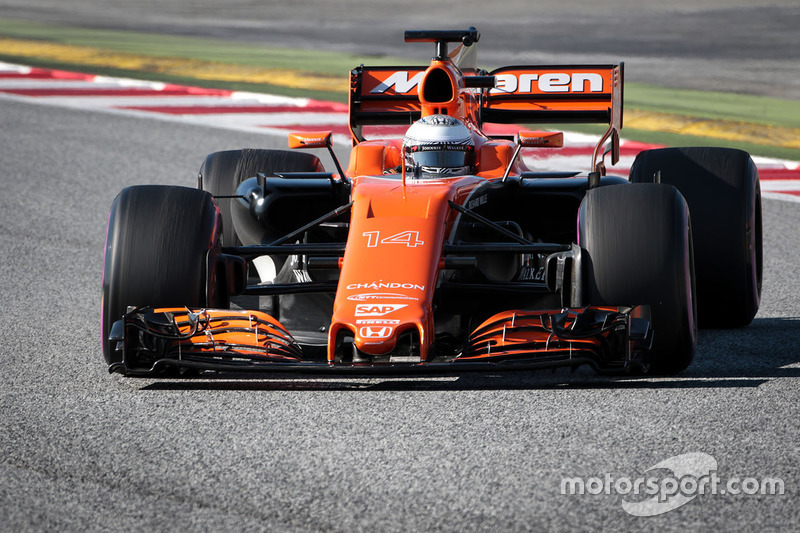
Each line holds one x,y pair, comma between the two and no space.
157,243
721,187
636,243
222,172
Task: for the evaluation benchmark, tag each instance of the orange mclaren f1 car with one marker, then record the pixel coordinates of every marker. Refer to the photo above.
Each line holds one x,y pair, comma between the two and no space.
441,250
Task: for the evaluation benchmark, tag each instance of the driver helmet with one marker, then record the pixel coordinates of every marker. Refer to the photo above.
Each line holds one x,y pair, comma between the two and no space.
439,146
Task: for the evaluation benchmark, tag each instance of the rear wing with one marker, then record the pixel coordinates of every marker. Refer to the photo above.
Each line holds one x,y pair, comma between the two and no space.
522,94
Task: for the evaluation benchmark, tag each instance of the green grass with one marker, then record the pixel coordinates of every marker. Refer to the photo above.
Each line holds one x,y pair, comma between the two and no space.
697,104
205,49
714,105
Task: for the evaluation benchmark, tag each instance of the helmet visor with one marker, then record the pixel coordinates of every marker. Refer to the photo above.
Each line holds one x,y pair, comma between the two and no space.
440,156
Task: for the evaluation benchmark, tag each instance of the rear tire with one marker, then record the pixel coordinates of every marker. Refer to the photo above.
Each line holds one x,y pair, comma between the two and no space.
636,246
222,172
722,189
157,242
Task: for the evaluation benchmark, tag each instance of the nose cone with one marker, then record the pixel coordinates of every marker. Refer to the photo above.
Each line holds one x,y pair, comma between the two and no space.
378,324
376,339
391,264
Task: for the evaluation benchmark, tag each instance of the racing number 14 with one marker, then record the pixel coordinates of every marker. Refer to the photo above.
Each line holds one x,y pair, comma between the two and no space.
409,238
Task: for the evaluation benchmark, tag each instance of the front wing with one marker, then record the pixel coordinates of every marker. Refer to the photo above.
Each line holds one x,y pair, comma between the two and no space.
606,338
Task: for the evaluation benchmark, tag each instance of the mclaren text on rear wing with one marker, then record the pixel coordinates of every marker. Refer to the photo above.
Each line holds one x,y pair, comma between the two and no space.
522,94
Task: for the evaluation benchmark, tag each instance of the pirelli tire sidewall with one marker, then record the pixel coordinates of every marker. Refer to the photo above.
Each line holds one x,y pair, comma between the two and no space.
636,242
722,189
159,241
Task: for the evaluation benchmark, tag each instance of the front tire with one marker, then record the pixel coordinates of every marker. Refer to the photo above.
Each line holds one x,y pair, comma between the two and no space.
157,245
636,246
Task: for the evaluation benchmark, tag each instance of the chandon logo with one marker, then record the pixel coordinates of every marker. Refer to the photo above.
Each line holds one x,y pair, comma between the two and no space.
382,285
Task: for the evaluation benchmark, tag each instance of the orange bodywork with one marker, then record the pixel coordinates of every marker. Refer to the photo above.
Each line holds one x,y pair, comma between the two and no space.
373,158
392,260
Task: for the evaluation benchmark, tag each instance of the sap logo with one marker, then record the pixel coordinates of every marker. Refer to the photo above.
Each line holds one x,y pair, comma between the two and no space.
375,332
550,82
400,81
377,309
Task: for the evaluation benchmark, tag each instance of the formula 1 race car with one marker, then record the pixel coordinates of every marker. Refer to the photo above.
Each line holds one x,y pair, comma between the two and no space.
441,250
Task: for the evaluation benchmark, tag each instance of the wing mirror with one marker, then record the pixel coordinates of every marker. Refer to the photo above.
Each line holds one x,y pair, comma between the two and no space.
534,139
310,139
541,139
317,139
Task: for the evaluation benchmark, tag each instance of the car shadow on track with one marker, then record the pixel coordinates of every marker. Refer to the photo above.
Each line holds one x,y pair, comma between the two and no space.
768,349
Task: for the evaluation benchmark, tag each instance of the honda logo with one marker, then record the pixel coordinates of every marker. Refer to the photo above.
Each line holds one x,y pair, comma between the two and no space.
376,332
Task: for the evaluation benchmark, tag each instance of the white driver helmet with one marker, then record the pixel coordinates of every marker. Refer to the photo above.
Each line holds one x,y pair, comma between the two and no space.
439,146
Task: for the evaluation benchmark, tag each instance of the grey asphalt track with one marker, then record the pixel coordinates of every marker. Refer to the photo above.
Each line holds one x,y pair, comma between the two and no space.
83,450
